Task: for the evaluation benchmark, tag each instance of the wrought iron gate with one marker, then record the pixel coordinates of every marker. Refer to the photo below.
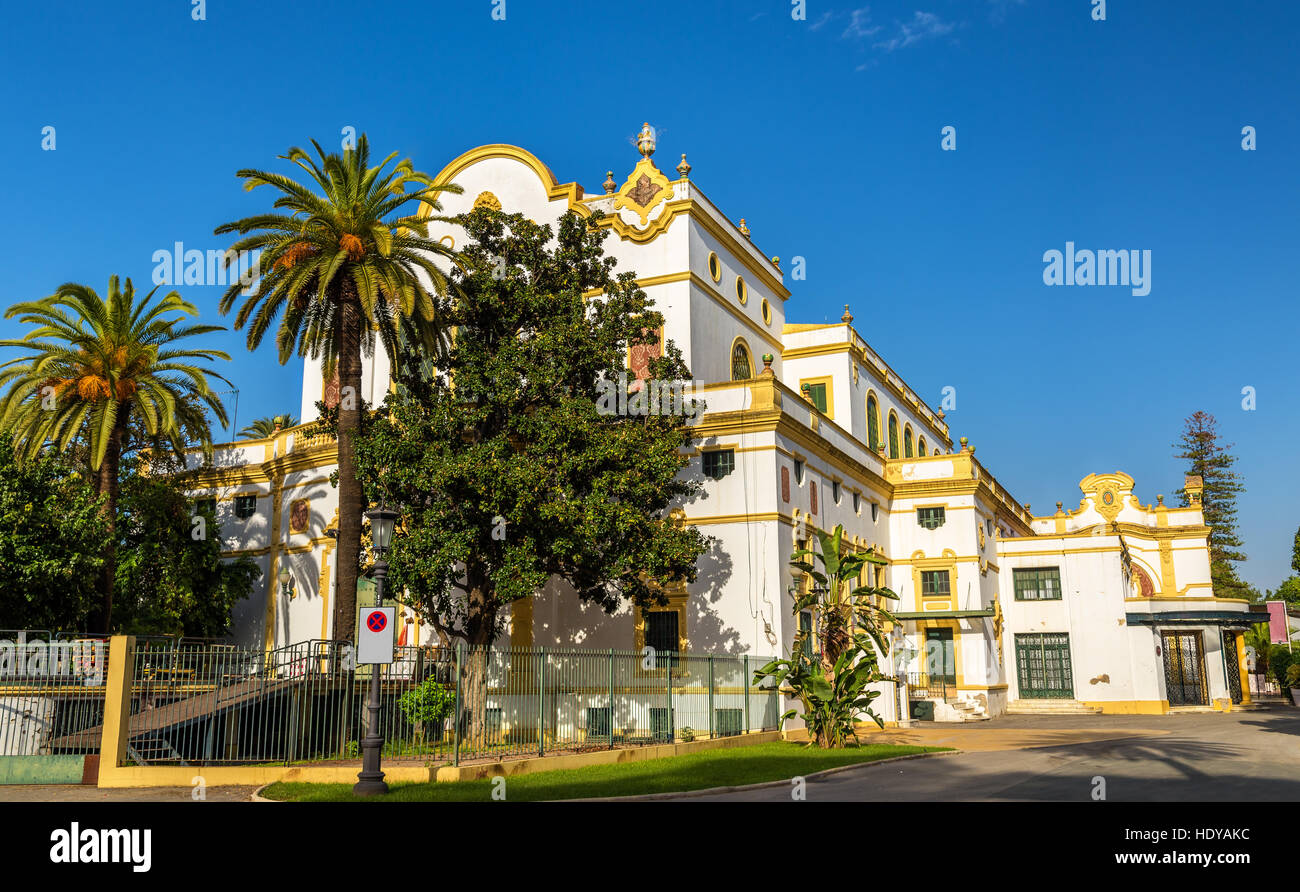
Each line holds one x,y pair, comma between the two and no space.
1184,668
1231,665
1043,666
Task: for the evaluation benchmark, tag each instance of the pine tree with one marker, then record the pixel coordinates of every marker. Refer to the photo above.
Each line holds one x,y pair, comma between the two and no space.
1295,552
1211,460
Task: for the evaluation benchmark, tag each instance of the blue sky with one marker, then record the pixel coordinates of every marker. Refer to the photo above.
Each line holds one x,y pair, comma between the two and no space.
823,133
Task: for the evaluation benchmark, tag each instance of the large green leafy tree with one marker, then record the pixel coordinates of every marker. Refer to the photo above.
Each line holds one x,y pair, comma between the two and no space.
171,579
1208,457
505,469
341,263
53,537
93,366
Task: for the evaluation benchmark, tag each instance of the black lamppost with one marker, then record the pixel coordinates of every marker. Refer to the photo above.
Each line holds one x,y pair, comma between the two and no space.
370,780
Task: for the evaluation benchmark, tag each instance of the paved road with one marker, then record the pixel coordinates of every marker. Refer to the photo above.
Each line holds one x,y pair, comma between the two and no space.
73,793
1242,756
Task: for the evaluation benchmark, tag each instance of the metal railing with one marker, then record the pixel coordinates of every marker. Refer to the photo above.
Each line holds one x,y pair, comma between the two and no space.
924,686
220,704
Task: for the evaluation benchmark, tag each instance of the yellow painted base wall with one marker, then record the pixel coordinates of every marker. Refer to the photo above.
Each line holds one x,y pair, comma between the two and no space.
1129,707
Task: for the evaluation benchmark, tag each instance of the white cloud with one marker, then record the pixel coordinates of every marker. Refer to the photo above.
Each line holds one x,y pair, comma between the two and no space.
922,26
860,24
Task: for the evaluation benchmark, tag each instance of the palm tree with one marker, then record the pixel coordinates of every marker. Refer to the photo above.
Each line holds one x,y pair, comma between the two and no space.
340,265
266,427
96,369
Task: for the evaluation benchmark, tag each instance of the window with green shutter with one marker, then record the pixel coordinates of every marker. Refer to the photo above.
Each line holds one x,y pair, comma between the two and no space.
817,393
893,435
1037,583
245,506
930,518
934,584
873,423
719,463
806,627
661,632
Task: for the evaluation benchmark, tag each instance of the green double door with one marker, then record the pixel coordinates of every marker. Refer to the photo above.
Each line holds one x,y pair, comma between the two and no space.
1043,666
940,656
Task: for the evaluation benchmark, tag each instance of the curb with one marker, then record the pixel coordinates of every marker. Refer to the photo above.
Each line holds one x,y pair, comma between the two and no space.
256,795
817,775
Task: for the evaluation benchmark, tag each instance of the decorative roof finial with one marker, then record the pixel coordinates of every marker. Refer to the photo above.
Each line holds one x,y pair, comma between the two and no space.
744,230
776,261
767,364
610,186
847,318
684,169
645,141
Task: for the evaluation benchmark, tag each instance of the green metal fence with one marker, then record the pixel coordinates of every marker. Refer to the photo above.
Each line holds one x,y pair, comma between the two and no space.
205,704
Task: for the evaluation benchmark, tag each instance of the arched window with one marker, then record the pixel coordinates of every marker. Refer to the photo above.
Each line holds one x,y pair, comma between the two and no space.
907,441
741,366
920,446
873,422
893,435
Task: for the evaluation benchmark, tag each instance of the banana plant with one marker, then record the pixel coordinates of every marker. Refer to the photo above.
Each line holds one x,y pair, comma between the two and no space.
830,679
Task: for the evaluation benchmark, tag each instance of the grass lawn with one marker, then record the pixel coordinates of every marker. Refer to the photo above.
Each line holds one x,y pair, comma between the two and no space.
755,764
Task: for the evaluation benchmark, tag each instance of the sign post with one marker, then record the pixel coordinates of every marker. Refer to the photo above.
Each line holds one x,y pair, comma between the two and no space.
375,646
375,635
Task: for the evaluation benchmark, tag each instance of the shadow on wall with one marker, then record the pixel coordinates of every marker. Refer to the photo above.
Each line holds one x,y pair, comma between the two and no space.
561,620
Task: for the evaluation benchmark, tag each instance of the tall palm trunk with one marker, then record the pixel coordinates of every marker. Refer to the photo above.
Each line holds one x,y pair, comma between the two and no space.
350,500
106,485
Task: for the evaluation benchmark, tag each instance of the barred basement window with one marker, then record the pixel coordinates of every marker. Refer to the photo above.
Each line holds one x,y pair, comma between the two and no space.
598,721
728,722
798,473
245,506
1037,583
719,463
934,583
930,518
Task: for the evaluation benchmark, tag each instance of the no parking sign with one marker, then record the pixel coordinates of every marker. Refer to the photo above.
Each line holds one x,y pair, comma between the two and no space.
375,634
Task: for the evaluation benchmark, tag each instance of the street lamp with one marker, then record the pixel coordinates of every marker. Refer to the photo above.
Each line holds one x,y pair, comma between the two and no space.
286,582
370,780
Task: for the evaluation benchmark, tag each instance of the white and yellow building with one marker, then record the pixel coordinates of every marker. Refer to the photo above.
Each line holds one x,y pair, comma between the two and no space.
1108,606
